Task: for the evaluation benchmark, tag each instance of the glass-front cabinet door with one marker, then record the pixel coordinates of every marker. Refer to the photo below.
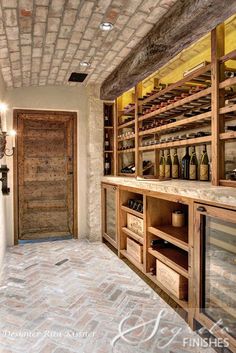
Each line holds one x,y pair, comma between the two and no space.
109,210
215,256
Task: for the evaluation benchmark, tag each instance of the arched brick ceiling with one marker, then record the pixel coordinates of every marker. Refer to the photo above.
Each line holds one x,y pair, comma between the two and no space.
43,41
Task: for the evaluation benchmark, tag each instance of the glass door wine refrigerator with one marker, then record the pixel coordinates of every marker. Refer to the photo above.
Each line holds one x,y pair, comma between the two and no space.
215,261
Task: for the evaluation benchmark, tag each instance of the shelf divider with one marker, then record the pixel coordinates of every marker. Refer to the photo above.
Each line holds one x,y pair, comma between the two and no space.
174,235
133,235
169,257
133,212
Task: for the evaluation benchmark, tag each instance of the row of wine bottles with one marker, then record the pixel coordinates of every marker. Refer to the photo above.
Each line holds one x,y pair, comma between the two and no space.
136,205
175,96
189,168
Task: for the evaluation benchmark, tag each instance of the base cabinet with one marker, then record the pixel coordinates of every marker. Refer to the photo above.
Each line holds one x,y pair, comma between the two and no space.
215,270
194,262
109,214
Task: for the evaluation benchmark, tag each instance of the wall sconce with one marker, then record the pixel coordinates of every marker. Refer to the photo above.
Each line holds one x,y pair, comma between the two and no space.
4,170
3,135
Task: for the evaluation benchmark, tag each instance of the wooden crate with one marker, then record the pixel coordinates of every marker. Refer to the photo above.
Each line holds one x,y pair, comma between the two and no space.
173,281
135,224
135,250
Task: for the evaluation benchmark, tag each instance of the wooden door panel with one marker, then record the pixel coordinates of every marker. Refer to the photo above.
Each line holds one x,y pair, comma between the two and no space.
44,191
51,169
45,175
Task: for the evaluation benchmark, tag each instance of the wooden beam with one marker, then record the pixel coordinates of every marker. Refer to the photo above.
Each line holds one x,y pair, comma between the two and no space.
186,22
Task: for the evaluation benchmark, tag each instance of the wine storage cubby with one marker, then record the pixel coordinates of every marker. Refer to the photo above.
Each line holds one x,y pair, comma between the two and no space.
157,232
167,241
132,227
109,138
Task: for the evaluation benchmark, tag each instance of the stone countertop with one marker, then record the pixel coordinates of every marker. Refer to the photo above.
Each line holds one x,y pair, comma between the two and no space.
197,190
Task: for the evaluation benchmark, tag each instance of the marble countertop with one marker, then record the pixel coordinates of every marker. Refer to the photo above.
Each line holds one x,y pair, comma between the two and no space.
197,190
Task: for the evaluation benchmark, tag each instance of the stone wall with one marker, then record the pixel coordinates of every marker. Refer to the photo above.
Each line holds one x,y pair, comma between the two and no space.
95,162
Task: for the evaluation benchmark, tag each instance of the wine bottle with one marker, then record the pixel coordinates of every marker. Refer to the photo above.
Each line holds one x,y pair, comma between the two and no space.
175,165
107,142
204,166
162,166
130,169
185,164
230,74
159,243
193,165
107,165
168,165
106,117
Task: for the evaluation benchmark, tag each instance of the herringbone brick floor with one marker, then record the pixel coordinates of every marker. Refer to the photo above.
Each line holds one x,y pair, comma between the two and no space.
71,296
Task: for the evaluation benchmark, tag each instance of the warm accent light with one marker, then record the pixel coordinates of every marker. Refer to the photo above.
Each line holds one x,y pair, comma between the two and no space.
3,109
13,134
106,26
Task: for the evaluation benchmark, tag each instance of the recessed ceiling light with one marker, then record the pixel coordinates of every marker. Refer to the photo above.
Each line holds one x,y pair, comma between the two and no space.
106,26
84,64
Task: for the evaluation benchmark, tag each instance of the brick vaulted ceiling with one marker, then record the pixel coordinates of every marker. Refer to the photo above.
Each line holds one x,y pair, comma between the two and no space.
43,41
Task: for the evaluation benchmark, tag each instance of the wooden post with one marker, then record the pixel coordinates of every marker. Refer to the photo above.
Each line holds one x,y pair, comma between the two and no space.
138,93
115,132
217,100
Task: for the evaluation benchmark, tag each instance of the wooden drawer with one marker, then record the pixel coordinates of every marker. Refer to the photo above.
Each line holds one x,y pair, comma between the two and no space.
135,224
173,281
135,250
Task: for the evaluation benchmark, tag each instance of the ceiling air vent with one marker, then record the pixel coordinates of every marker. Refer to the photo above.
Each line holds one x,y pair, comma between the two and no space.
77,77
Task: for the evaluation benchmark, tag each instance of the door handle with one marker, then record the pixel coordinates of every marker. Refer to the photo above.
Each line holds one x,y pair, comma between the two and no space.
201,209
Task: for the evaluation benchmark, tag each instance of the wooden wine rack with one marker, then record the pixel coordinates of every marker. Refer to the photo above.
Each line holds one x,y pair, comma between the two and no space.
214,86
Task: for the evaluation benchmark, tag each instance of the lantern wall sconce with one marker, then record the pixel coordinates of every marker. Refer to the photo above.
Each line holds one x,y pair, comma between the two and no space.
4,170
4,151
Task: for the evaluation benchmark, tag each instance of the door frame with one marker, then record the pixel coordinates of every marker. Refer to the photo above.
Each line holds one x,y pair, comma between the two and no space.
73,115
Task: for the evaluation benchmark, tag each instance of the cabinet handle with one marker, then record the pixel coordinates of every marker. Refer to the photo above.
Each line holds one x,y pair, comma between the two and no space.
201,209
114,188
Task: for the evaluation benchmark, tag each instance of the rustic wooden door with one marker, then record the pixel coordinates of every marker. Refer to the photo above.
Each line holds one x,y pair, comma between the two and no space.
46,174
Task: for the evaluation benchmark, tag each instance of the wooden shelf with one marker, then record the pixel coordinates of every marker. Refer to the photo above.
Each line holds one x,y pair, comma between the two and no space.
182,303
181,123
127,111
177,84
229,183
133,235
174,258
174,235
228,135
108,127
129,210
180,143
127,174
230,56
126,138
228,109
228,82
129,123
132,260
127,151
108,152
177,104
